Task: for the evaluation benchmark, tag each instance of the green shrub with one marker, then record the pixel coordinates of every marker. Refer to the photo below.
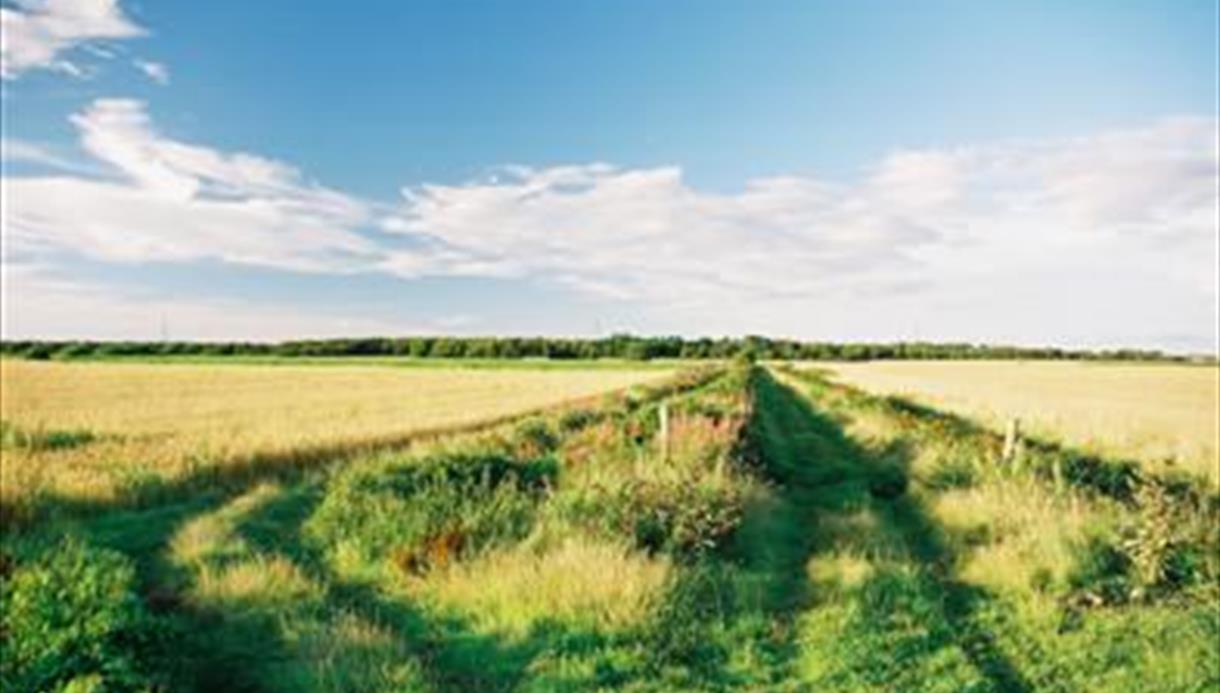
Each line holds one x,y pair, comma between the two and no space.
1102,574
684,518
678,634
954,471
576,419
72,619
1110,478
482,499
887,481
1163,545
534,438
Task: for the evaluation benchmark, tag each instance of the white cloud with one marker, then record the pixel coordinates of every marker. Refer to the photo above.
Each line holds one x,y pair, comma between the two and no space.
1074,239
37,33
646,234
155,71
20,151
170,201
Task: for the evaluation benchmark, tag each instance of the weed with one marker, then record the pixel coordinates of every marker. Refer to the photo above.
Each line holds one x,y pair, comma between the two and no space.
14,437
534,437
72,618
407,506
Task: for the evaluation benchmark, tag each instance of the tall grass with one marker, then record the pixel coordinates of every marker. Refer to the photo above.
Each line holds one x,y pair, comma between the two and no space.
789,534
1163,415
106,433
1042,570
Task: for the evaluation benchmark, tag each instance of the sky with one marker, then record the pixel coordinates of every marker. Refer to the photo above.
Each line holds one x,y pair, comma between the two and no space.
1004,172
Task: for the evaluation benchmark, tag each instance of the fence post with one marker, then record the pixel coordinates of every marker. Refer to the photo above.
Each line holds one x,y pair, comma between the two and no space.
663,433
1011,440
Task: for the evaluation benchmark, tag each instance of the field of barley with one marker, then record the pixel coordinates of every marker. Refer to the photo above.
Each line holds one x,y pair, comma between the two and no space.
1161,414
91,431
722,527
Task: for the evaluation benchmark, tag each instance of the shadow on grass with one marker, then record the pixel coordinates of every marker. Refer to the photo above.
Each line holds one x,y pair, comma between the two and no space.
230,477
196,650
210,650
1113,477
835,477
244,646
451,653
730,621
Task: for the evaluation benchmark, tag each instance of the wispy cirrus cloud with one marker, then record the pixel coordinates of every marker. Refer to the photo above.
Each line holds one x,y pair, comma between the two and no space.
38,34
157,72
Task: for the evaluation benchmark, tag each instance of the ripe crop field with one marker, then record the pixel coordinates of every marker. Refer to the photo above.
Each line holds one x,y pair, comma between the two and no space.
731,527
1152,413
91,431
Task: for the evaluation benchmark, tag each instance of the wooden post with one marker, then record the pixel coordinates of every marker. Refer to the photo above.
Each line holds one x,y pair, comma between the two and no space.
663,432
1011,439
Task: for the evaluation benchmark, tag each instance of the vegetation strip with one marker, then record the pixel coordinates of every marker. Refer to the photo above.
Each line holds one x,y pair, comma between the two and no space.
724,530
1030,585
622,346
163,582
1118,479
108,479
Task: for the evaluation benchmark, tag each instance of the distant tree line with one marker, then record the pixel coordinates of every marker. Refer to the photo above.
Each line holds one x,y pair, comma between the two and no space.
622,346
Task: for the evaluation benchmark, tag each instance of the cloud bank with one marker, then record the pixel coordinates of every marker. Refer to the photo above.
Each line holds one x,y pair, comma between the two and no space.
646,234
993,227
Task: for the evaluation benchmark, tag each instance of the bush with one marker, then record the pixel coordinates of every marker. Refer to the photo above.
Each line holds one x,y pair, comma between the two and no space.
73,619
1162,544
576,419
465,501
955,471
1114,479
887,481
534,438
1102,574
683,518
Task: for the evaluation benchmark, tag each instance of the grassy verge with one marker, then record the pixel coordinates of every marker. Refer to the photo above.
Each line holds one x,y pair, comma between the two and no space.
448,566
939,569
169,438
737,529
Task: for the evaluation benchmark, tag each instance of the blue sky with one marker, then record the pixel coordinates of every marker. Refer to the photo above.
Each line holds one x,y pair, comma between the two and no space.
1021,172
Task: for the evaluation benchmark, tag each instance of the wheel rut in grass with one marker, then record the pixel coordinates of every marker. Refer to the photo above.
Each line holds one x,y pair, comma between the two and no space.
903,608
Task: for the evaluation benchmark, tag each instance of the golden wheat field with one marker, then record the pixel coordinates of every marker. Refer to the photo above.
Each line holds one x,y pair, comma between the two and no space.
1148,412
108,425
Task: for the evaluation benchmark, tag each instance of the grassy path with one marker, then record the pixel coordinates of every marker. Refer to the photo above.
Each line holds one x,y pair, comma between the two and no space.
844,567
885,610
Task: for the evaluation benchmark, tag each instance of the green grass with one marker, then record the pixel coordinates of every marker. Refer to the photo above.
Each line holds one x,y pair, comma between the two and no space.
793,535
914,599
15,437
